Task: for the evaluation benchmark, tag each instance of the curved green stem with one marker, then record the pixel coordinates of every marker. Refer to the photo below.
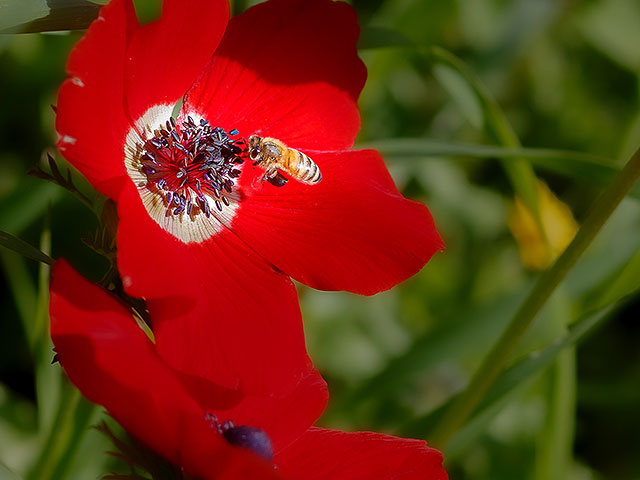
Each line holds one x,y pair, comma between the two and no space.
497,358
70,424
519,170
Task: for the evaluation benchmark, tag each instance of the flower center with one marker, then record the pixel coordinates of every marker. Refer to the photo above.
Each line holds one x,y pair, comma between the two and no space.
191,163
186,172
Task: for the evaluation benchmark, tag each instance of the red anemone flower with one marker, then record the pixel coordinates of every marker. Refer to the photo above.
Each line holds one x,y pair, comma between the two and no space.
201,226
113,363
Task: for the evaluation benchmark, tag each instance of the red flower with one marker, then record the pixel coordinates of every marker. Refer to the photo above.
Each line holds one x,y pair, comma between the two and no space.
207,232
115,364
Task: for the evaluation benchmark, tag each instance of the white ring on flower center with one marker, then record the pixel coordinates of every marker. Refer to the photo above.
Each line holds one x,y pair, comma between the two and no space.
188,228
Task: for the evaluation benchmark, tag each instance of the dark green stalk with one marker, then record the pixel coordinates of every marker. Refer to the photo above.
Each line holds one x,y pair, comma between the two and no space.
501,353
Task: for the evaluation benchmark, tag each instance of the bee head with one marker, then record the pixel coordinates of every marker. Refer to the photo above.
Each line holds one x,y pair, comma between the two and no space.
254,147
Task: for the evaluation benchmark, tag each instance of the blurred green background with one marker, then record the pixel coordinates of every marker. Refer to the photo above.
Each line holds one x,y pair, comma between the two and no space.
565,75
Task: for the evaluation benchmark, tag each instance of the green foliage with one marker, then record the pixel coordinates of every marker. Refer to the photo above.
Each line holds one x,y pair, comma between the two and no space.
469,102
28,16
23,248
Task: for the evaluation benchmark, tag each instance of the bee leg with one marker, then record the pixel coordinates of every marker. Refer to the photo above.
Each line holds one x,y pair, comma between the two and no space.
269,173
275,178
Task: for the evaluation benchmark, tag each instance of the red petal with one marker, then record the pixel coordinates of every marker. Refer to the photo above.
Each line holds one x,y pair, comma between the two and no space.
352,231
334,455
219,311
287,69
114,364
165,57
91,120
151,65
283,418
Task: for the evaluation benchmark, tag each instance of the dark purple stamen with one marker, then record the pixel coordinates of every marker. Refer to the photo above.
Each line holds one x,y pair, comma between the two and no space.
244,436
250,438
190,161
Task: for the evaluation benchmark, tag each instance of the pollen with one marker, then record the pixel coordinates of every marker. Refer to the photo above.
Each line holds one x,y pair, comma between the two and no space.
185,171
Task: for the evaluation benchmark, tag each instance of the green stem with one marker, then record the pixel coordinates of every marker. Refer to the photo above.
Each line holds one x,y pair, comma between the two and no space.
554,450
59,434
497,126
497,358
71,422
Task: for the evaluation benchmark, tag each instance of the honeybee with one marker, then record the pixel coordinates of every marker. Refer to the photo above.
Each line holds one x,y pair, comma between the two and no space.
274,156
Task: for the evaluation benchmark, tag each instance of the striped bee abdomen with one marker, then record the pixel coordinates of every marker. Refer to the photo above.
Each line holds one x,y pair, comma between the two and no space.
302,167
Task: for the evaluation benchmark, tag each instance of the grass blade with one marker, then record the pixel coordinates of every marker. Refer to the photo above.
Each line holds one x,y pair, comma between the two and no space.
22,288
483,378
483,110
72,420
23,248
517,374
577,165
31,16
554,451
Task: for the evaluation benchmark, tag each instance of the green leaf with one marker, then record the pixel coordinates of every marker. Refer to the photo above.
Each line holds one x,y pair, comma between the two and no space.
30,16
576,165
147,11
23,248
